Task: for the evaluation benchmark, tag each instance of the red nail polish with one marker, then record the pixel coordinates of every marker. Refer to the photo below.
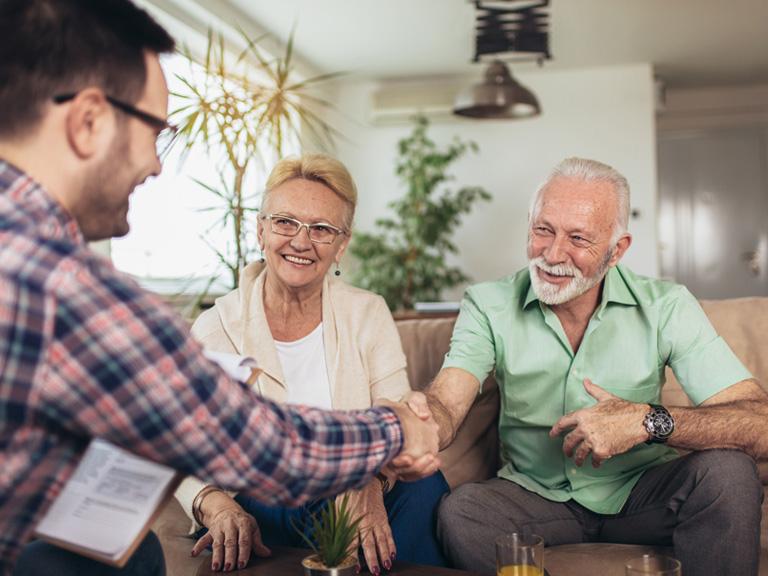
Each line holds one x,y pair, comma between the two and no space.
215,567
387,565
241,565
227,567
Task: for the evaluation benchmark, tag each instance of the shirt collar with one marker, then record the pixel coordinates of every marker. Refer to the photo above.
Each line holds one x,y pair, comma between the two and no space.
615,289
51,218
530,296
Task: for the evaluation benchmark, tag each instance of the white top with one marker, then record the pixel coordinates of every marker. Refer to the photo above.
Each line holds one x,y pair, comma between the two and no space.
305,371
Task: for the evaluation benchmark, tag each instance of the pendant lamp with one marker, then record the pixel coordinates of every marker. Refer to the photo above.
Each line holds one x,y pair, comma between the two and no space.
498,96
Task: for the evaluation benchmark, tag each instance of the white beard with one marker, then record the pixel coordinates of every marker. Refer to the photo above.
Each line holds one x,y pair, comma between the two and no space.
552,294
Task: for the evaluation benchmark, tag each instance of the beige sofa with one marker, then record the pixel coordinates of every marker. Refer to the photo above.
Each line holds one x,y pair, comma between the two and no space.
473,455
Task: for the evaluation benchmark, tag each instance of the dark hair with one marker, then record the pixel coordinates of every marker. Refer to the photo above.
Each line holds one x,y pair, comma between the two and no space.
50,47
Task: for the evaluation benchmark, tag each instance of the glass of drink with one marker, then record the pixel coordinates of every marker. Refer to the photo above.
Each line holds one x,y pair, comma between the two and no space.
519,555
648,565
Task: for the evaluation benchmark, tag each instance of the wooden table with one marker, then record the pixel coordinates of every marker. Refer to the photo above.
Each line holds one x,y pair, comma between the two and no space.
287,562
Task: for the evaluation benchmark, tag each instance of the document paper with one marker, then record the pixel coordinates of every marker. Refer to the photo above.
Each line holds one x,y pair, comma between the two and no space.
107,503
105,508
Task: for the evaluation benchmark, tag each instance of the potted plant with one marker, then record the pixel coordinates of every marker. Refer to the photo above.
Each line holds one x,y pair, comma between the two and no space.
405,261
332,536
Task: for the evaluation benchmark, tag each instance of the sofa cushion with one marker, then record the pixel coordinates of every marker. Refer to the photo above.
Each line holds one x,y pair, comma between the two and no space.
474,453
743,324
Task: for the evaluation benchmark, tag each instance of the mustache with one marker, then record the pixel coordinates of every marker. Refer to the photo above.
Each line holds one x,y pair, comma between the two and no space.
556,269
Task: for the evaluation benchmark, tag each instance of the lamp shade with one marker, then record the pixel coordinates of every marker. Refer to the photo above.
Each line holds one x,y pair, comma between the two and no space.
499,96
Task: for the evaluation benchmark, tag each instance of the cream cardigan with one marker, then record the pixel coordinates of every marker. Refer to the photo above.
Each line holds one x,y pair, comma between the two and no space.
363,352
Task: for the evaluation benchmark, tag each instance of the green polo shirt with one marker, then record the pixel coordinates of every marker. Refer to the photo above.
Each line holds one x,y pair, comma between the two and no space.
640,326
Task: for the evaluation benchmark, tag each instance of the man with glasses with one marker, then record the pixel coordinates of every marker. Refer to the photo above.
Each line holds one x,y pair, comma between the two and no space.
165,132
84,352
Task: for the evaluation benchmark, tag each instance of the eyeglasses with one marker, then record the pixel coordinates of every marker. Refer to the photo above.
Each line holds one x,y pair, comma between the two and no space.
320,233
165,132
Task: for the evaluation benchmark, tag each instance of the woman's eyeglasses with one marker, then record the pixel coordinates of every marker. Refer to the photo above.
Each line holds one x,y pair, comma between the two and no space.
319,233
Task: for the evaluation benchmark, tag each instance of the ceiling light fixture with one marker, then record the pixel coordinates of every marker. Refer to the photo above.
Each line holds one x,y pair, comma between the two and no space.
509,29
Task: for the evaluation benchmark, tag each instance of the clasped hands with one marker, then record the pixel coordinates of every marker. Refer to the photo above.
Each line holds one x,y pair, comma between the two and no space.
418,458
610,427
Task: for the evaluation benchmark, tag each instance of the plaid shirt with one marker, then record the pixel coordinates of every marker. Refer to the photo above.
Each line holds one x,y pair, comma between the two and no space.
85,352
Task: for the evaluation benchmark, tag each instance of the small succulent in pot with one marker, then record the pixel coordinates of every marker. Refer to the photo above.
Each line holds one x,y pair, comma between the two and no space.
332,536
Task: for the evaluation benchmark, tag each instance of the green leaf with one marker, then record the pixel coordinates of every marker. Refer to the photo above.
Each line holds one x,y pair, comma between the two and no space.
405,261
332,532
248,105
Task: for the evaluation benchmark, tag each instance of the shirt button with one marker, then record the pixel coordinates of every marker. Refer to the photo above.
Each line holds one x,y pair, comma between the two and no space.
574,471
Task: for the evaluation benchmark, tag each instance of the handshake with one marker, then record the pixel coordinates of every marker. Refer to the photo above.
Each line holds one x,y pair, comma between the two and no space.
418,458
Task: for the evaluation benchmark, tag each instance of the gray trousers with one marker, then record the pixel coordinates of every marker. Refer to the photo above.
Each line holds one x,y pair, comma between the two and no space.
705,504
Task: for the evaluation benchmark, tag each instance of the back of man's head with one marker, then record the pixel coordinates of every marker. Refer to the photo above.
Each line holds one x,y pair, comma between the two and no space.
53,47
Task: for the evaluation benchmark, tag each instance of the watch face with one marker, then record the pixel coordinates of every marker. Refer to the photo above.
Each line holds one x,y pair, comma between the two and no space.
662,424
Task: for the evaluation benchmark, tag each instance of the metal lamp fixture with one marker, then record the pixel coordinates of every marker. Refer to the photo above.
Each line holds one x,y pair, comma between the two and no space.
512,29
499,96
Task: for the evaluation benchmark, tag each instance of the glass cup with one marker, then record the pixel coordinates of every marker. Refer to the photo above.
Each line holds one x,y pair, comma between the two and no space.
519,555
648,565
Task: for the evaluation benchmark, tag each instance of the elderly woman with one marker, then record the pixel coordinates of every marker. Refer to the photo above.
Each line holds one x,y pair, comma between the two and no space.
319,342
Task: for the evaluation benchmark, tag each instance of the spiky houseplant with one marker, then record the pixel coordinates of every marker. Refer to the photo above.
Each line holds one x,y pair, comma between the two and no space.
332,536
247,107
405,261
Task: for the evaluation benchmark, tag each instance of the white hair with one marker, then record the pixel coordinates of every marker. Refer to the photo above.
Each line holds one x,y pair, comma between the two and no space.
591,171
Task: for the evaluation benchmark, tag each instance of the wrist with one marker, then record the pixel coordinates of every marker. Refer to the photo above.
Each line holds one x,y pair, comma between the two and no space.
210,503
643,436
384,482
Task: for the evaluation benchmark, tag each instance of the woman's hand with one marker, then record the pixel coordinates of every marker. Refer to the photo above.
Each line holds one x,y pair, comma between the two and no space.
374,533
232,533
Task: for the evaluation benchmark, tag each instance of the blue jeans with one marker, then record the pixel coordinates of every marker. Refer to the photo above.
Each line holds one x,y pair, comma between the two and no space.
411,510
39,558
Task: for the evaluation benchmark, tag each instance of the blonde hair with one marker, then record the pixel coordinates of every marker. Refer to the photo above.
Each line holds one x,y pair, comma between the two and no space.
316,168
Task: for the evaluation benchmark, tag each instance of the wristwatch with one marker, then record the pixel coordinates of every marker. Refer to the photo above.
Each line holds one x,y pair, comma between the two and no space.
659,424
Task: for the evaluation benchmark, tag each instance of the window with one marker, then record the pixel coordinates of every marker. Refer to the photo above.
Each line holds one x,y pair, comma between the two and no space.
175,221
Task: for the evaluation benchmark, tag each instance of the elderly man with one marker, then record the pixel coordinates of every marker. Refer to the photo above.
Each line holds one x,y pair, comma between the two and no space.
578,344
84,352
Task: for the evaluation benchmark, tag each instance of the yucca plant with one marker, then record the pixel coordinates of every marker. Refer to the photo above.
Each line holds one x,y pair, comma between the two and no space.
248,107
332,535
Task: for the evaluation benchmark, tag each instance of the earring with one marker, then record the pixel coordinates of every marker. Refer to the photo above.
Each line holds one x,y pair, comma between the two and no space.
261,259
338,270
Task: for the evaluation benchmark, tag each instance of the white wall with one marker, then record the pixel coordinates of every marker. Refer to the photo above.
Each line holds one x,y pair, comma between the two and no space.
601,113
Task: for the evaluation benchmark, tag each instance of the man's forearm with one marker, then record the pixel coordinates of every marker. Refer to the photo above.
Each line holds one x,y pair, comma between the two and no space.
740,425
444,419
450,396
